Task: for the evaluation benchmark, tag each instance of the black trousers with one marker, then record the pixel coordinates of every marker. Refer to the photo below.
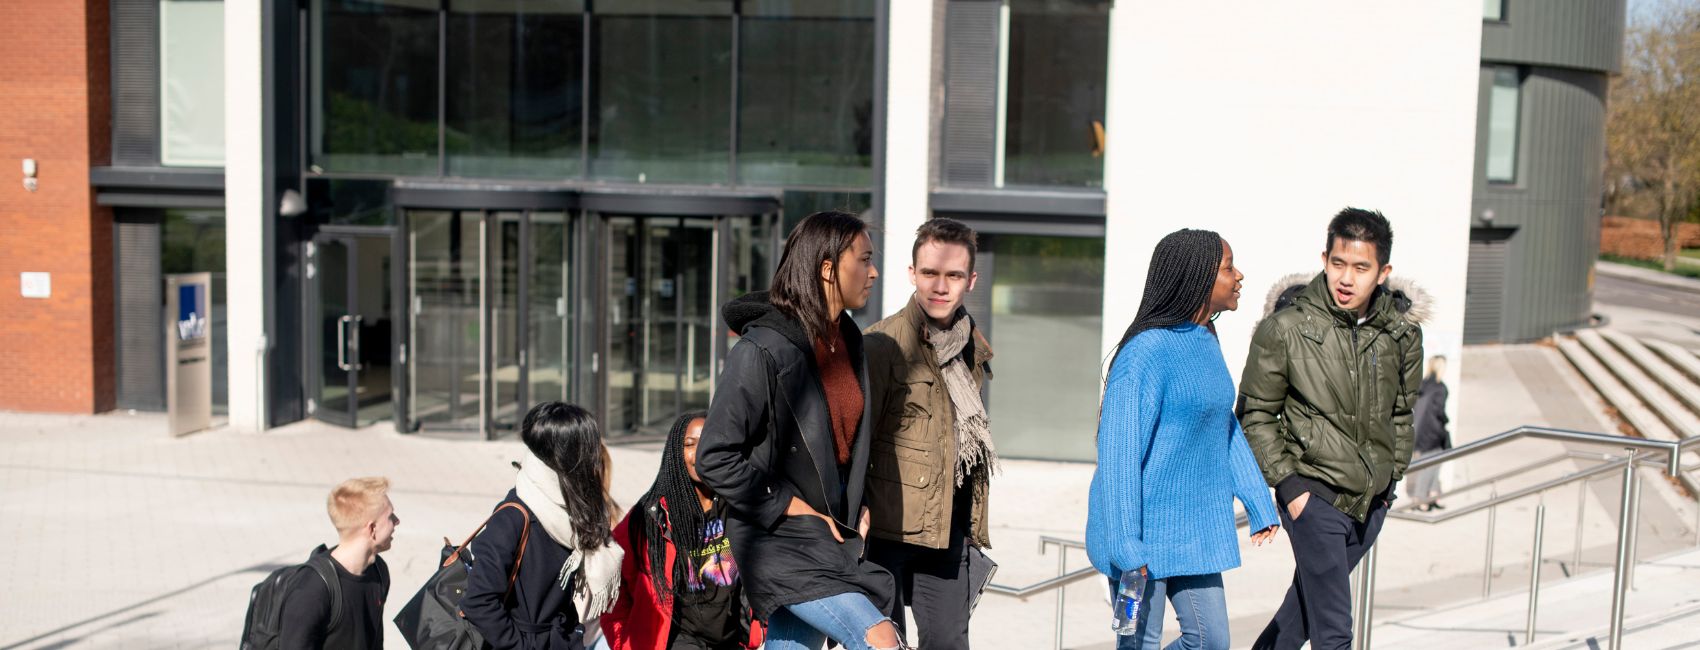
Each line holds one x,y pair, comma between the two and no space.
936,584
1327,545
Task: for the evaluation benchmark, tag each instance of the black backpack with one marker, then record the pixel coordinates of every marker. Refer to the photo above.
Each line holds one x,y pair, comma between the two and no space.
264,623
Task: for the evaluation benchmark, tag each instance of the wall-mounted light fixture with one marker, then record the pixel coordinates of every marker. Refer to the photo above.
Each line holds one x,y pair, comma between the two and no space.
30,182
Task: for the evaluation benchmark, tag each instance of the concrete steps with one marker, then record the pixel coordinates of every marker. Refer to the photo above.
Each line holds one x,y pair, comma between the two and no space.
1653,385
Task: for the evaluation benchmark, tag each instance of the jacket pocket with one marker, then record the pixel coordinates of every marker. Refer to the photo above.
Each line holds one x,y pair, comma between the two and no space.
914,416
899,477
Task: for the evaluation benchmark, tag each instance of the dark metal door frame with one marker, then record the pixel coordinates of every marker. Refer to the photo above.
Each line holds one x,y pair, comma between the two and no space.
348,324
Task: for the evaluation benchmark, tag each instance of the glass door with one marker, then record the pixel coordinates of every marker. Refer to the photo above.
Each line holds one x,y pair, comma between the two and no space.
660,301
492,312
352,320
444,280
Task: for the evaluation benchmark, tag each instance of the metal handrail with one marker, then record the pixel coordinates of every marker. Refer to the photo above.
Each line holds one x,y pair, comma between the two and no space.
1641,451
1063,578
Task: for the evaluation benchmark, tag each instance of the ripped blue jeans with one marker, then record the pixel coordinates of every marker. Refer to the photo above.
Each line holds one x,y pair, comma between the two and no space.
846,618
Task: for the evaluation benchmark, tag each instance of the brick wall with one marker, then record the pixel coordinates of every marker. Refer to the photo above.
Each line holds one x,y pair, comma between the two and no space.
56,354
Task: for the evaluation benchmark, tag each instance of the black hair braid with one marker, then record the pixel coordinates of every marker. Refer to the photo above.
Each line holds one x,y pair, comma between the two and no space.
1178,284
683,519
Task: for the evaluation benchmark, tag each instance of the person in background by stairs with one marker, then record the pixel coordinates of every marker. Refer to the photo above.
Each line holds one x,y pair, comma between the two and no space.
1432,436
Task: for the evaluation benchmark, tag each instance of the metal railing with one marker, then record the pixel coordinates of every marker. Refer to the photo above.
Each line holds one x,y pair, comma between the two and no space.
1639,452
1063,578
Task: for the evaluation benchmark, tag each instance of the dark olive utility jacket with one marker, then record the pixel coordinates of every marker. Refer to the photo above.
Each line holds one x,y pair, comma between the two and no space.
912,469
1329,399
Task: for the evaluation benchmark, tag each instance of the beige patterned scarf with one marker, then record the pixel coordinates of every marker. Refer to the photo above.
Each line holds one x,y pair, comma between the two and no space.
973,427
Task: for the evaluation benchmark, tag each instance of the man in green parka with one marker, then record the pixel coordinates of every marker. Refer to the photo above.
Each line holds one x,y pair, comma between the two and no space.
1328,390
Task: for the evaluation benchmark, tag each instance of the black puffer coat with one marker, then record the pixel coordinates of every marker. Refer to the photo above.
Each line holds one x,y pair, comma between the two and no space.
768,438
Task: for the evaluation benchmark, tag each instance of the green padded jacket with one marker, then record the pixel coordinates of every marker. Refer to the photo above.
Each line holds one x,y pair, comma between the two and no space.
1329,399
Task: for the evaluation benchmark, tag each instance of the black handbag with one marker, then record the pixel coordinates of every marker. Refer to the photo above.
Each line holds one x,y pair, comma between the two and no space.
432,619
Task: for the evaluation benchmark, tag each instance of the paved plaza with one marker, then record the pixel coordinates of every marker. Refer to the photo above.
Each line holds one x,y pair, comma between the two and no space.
119,536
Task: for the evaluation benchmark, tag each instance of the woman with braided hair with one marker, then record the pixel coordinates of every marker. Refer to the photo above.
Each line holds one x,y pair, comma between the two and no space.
681,582
1171,455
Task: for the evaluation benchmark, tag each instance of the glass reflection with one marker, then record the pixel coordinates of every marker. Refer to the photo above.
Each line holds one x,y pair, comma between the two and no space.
805,97
515,82
1058,61
663,91
374,68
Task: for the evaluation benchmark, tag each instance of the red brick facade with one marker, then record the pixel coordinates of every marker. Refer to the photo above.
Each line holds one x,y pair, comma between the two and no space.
56,354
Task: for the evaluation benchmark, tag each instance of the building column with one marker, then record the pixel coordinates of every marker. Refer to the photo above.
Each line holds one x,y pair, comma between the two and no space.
248,256
1126,253
908,157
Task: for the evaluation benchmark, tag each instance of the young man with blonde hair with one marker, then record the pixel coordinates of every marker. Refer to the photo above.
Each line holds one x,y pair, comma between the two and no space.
350,613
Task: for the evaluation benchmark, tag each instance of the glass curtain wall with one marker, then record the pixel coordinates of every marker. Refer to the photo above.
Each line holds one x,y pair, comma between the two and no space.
805,92
663,91
708,92
1047,297
515,80
1058,61
374,75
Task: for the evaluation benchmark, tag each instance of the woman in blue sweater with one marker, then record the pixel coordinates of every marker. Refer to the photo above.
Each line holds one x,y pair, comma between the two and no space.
1171,455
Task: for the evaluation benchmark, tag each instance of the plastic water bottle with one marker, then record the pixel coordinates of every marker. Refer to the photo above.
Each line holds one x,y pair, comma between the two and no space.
1130,598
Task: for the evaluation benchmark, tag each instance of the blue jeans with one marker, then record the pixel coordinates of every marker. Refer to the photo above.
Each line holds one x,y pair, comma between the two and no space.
845,617
1200,606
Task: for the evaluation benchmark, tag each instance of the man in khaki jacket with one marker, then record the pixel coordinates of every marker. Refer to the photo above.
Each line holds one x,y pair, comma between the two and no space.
932,457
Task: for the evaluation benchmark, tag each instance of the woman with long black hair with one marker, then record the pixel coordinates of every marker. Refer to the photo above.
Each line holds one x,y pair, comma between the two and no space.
1171,455
680,585
569,567
786,444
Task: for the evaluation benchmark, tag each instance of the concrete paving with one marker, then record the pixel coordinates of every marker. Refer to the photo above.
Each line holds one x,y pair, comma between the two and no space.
122,537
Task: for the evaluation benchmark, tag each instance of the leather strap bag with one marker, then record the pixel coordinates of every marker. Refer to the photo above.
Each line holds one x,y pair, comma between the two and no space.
432,619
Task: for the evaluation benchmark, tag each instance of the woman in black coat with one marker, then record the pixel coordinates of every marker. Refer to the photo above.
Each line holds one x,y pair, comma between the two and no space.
1430,422
569,568
786,444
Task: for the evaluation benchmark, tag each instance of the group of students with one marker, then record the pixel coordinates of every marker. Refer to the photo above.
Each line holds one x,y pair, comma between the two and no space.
842,475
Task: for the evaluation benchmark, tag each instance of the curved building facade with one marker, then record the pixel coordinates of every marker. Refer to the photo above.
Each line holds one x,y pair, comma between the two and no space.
1540,148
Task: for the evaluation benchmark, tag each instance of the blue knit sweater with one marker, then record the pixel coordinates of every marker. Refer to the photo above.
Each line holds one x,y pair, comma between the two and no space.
1171,461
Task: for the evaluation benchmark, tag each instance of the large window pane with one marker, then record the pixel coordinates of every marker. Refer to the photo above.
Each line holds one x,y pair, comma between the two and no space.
1493,9
191,76
1502,126
1058,59
1047,315
663,91
192,241
374,72
805,101
515,88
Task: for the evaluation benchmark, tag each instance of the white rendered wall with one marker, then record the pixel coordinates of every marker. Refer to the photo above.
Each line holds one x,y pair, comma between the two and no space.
1261,120
244,234
908,107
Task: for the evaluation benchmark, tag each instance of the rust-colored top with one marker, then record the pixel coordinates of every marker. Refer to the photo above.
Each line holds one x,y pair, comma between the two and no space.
844,397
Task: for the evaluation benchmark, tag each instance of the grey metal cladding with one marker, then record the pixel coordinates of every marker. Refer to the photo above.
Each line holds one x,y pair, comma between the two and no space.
140,313
1585,34
135,82
971,86
1555,204
1484,299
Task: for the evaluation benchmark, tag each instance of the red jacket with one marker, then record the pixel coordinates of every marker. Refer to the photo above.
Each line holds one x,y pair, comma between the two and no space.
639,620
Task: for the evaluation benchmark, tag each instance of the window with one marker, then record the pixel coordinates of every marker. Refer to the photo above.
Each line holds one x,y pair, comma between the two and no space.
515,88
374,74
191,80
1503,107
1493,10
1057,64
663,91
805,95
1047,299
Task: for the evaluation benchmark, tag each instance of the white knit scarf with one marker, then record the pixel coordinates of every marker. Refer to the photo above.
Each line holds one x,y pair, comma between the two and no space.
540,488
973,426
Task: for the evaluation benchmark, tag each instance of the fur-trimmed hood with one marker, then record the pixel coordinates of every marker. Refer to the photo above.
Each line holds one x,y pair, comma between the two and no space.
1409,298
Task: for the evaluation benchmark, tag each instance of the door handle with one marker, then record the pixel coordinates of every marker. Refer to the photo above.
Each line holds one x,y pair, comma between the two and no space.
356,344
342,343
